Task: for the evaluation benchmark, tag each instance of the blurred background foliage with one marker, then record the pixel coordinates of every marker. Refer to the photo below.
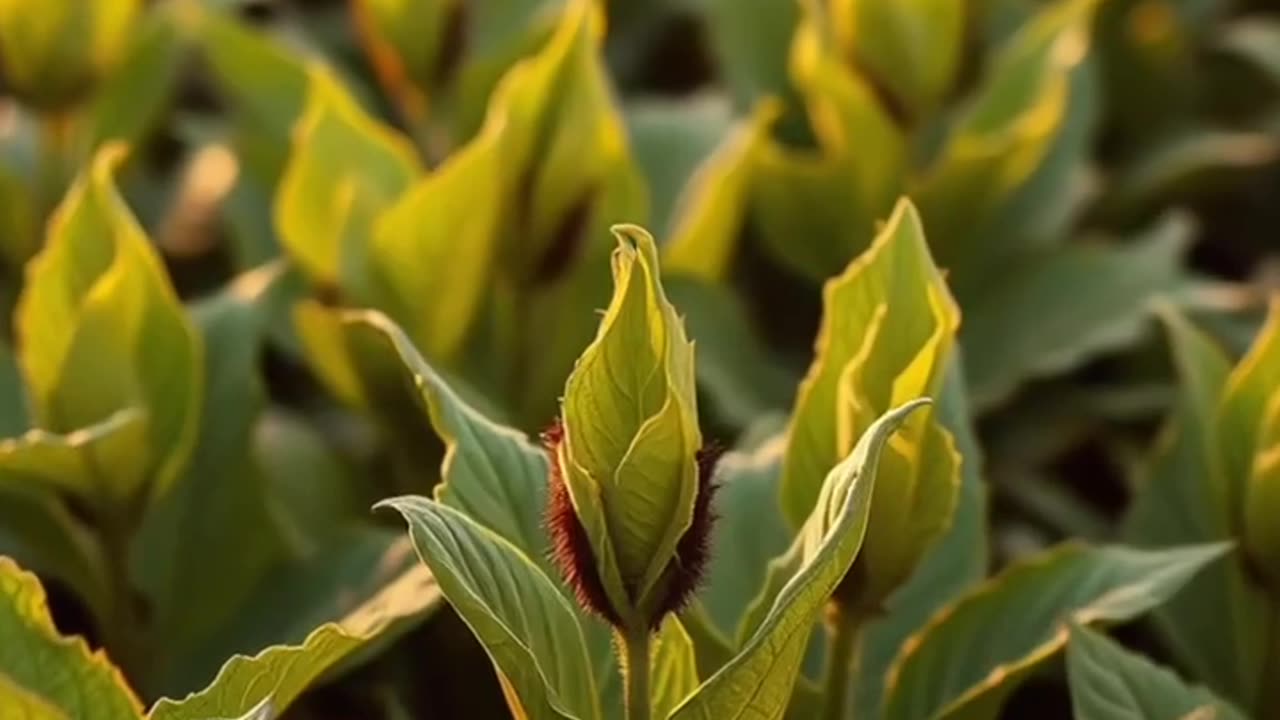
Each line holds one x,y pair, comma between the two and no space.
456,164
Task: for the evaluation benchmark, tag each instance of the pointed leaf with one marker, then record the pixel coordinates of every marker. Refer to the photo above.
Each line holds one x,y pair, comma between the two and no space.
278,675
1111,683
1212,625
491,473
344,169
102,330
974,652
517,613
758,682
40,668
673,670
1242,417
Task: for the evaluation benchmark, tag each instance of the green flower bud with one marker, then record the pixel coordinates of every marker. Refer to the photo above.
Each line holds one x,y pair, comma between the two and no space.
630,500
53,52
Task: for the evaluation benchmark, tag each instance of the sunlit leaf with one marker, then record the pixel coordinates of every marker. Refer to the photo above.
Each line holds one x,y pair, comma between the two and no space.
42,669
759,679
525,623
102,330
674,672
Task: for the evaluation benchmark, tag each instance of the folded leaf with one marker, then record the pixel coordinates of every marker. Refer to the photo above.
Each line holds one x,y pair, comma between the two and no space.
1243,415
911,48
834,195
345,168
40,669
1111,683
955,562
524,622
673,671
976,651
759,680
102,330
69,463
631,429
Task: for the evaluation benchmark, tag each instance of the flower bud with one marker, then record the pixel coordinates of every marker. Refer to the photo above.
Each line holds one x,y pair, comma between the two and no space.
629,506
53,52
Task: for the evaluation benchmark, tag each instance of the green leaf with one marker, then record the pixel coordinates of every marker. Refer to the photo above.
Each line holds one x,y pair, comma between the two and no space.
706,221
1035,325
102,330
1244,413
1111,683
1262,485
366,580
53,53
751,41
1212,626
671,139
278,675
738,373
491,473
345,168
527,626
13,403
631,429
887,331
912,48
194,572
760,678
673,669
38,532
750,532
405,43
437,245
1005,133
954,563
133,96
70,463
40,668
836,194
974,652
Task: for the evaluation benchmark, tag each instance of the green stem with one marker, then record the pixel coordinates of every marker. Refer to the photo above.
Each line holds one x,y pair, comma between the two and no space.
127,646
636,645
1269,689
846,626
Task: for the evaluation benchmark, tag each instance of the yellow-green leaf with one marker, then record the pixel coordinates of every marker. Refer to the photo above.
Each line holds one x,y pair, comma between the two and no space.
345,168
911,48
527,626
833,196
1242,416
631,427
887,331
1262,497
966,660
40,668
102,330
436,246
673,668
53,53
758,681
708,216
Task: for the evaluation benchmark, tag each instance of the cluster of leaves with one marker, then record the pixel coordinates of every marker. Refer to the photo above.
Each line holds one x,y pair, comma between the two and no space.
258,275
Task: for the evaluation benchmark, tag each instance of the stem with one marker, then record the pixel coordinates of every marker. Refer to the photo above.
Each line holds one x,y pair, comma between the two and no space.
1269,690
127,647
846,627
636,645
